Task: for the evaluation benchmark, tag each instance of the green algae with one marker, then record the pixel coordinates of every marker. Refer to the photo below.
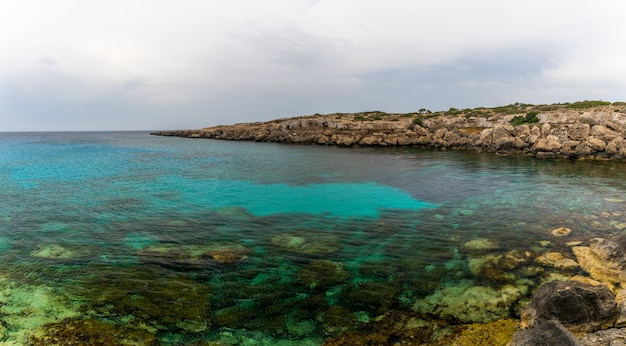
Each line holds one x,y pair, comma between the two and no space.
148,296
91,332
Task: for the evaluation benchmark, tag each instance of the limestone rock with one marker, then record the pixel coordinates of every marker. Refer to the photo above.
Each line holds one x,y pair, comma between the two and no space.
603,132
595,143
561,232
609,337
604,259
546,333
578,306
545,130
614,146
578,132
480,245
546,145
556,260
620,297
468,303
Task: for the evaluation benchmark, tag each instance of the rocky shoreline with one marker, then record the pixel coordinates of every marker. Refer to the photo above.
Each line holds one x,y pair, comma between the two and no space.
580,130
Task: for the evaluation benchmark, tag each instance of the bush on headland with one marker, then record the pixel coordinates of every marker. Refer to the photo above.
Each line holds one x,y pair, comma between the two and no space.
579,130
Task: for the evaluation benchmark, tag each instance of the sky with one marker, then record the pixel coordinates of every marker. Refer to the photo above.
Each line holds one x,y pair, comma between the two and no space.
73,65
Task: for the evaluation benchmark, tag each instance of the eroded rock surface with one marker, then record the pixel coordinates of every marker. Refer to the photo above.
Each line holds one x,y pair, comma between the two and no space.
578,306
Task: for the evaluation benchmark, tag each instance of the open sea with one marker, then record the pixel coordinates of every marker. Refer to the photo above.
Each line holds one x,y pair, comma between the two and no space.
176,241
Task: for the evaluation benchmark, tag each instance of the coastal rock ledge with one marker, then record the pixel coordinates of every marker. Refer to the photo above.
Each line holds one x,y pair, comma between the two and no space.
586,129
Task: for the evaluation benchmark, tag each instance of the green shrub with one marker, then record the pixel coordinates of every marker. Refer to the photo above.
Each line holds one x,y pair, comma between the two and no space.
529,118
419,120
587,104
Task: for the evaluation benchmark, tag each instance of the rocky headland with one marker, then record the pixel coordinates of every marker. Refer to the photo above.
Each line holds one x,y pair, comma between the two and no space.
585,130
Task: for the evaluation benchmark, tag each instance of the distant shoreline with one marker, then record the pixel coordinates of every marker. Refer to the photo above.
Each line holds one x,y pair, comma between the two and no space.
581,130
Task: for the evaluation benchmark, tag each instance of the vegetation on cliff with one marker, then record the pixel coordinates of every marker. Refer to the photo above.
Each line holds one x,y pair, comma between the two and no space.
584,129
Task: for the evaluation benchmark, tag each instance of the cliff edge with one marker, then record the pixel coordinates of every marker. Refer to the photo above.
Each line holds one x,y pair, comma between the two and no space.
586,129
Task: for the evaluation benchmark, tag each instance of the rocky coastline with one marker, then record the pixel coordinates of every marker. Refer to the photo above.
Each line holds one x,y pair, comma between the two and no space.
580,130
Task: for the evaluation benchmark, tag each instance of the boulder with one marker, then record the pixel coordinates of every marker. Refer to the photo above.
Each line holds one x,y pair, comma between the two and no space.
595,143
604,259
603,132
545,130
578,132
578,306
614,146
546,333
557,260
547,145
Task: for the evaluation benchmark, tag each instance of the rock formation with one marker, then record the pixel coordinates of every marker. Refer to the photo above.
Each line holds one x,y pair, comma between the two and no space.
578,306
587,129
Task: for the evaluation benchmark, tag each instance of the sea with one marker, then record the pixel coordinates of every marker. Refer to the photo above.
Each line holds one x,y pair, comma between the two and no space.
130,238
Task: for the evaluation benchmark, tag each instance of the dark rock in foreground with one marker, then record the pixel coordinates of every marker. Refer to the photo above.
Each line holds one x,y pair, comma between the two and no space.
578,306
549,332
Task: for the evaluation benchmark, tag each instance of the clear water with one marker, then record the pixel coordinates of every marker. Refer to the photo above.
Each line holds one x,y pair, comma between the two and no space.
258,243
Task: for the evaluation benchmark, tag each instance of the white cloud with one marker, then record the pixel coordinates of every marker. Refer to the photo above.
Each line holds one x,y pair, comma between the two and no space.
189,51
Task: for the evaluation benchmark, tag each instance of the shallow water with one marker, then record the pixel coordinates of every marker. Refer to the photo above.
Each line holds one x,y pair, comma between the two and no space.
258,243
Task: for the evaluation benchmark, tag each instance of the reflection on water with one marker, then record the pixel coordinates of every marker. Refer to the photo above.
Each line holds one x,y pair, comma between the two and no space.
122,236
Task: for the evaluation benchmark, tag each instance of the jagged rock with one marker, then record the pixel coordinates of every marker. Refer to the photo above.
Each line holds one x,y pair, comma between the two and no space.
620,297
549,332
595,143
609,337
578,132
546,145
603,132
614,146
522,131
578,306
545,130
556,260
569,148
604,259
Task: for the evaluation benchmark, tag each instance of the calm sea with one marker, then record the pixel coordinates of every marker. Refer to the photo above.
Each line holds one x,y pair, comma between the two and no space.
259,243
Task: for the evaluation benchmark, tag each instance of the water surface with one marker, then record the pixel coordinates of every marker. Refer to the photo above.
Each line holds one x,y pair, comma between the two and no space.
184,240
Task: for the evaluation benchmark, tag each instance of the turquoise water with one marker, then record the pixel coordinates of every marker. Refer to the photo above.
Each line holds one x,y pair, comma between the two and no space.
169,240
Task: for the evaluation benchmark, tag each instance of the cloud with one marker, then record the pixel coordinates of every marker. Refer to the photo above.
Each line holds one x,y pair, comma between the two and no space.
206,57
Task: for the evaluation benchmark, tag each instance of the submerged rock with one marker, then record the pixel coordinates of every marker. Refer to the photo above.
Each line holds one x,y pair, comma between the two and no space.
322,274
470,304
578,306
557,260
193,257
61,253
499,267
145,295
561,232
307,242
91,332
480,245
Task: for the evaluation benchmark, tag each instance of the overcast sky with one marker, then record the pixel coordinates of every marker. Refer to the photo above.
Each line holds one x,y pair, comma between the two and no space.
172,64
